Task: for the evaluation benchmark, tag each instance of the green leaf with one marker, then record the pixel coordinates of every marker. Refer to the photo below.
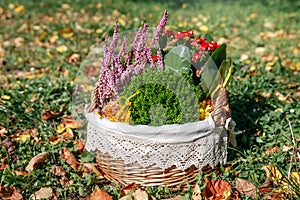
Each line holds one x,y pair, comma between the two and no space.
87,157
219,55
178,59
208,37
211,68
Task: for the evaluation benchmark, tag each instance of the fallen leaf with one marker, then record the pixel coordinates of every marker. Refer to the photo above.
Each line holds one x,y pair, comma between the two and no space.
245,187
80,146
286,148
19,8
273,173
43,193
3,131
69,158
58,171
217,189
10,193
140,195
272,150
69,122
50,114
62,48
197,193
40,158
126,190
74,58
20,173
127,197
29,109
3,164
67,32
98,194
21,137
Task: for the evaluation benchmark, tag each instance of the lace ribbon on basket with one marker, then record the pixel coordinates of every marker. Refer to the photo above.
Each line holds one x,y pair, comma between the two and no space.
210,149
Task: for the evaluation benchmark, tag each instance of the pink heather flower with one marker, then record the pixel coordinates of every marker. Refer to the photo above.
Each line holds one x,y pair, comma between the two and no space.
159,29
160,61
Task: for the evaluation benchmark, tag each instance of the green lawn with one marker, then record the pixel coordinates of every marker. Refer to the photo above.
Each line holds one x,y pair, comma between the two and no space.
43,44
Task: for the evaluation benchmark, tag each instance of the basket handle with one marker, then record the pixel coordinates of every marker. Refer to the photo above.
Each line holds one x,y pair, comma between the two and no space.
94,100
221,111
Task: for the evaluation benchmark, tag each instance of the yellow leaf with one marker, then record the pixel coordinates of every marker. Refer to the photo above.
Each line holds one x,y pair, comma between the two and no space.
60,128
1,10
99,5
5,97
65,6
203,28
273,173
20,8
11,6
67,32
184,5
61,49
21,137
53,38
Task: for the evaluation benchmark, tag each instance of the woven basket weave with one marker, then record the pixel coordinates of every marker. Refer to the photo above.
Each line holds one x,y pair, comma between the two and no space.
114,169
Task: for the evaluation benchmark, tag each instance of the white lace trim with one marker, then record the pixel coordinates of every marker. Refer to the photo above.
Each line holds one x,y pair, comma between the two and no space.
209,149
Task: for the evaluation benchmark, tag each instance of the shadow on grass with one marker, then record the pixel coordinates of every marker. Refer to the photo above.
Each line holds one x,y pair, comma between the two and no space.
246,110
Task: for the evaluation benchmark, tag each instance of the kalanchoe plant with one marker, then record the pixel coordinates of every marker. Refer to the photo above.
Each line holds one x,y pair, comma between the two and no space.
133,83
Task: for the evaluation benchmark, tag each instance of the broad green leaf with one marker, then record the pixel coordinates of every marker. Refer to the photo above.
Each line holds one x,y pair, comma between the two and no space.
211,68
208,37
178,59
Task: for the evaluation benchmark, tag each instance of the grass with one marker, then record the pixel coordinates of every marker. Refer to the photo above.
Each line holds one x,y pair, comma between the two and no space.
36,77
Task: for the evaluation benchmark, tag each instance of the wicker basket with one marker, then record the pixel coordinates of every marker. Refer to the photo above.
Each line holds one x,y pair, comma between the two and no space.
116,170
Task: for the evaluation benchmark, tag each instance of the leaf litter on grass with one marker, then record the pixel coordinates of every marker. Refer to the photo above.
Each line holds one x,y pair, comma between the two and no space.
43,47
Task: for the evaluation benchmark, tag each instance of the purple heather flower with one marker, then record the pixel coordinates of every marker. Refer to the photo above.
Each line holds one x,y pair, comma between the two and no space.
159,29
160,61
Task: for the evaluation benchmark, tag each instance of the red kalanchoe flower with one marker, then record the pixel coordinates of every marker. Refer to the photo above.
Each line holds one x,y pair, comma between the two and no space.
155,58
197,56
180,35
212,45
204,46
200,39
188,33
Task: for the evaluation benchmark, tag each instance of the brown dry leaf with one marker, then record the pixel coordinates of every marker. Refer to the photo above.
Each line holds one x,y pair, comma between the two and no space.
20,137
217,190
98,194
40,158
91,167
69,122
197,193
286,148
58,171
10,193
127,197
140,195
3,131
125,190
50,114
272,150
74,58
43,193
69,158
29,109
67,32
3,164
273,173
80,146
245,187
20,173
